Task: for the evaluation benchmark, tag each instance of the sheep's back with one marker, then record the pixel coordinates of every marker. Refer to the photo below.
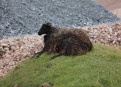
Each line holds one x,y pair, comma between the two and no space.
69,42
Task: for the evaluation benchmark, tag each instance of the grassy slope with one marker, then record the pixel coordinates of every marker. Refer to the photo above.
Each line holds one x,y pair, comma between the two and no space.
99,68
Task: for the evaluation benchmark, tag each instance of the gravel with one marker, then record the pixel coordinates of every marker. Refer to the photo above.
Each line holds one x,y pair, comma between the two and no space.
15,50
105,34
24,17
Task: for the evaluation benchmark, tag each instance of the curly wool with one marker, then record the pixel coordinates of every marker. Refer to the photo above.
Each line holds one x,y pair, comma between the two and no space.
65,41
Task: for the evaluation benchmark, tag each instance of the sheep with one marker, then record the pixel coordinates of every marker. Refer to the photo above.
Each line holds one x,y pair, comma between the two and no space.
64,41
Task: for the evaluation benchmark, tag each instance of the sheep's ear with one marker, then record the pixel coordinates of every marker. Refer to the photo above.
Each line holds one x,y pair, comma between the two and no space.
45,22
48,24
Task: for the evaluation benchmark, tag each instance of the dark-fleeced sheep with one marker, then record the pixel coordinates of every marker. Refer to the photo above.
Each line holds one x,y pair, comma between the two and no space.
64,41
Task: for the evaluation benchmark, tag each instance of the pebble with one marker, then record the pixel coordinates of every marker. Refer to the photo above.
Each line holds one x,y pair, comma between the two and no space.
17,50
105,34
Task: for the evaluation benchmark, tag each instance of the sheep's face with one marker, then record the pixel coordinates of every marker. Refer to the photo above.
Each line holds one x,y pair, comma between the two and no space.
45,29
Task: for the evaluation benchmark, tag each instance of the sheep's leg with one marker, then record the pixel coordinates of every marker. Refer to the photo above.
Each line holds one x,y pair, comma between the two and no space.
36,55
55,56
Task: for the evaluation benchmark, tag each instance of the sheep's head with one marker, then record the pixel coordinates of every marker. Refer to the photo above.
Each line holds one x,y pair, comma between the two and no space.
45,29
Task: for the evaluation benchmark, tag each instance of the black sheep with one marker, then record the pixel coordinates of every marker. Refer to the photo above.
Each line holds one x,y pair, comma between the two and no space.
64,41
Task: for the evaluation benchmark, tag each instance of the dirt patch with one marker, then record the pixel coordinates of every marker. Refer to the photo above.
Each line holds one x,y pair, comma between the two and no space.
113,5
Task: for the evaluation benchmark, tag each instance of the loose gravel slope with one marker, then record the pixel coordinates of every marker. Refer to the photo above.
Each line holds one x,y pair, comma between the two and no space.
23,17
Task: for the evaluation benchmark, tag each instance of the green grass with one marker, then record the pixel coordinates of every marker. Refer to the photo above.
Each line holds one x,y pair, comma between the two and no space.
99,68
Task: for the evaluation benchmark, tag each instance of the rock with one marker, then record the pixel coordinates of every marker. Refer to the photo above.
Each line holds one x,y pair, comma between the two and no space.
47,85
16,85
